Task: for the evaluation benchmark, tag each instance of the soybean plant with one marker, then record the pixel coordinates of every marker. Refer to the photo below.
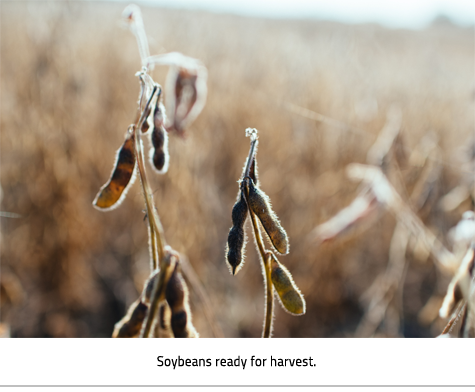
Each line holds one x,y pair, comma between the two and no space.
253,201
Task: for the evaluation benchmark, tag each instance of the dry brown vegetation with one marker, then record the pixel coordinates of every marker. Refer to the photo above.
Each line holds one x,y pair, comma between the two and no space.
68,94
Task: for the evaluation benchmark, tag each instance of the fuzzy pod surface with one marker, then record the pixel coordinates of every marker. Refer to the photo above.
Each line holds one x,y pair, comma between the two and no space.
290,296
176,294
259,203
131,324
237,235
113,192
159,153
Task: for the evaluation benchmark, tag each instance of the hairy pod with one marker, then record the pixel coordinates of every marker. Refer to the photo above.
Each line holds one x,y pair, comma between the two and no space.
253,171
159,157
176,295
290,296
259,203
114,191
237,235
130,325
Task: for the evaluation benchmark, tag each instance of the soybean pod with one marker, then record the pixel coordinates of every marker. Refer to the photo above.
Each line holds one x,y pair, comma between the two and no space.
259,204
290,296
237,235
114,191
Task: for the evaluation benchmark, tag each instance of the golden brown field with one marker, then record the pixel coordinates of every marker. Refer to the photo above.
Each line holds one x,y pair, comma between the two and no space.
68,93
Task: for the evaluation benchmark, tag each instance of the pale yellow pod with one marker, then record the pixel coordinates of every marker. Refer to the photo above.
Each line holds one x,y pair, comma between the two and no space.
290,296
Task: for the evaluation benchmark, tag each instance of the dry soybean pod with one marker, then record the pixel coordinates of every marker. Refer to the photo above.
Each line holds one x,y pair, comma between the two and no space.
253,171
290,296
130,325
237,235
162,328
176,295
259,203
159,157
114,191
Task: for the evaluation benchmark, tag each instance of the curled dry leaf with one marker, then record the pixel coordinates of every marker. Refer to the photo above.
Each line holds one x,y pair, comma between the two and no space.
185,89
361,208
185,96
114,191
132,17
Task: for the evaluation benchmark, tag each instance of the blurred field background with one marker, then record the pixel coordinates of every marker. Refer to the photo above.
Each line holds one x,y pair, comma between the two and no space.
68,93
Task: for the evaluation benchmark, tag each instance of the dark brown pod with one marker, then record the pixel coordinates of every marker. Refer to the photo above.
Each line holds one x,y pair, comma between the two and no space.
176,295
237,235
159,152
259,203
130,325
114,191
159,157
253,171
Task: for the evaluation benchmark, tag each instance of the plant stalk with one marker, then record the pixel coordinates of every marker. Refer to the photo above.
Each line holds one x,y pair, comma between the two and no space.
157,239
266,271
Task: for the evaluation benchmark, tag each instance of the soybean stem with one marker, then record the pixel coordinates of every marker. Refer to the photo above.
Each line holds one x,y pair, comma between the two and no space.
266,269
156,230
269,299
